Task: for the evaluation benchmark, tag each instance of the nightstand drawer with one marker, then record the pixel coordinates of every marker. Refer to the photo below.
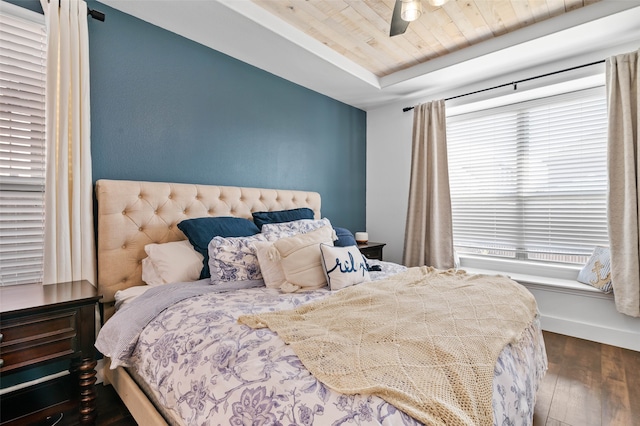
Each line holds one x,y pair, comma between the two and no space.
37,338
371,250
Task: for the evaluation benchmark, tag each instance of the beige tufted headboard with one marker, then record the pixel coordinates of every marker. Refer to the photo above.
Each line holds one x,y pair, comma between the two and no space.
132,214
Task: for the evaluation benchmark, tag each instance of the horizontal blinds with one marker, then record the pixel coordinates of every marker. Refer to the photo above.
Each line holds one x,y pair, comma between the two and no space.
22,149
528,181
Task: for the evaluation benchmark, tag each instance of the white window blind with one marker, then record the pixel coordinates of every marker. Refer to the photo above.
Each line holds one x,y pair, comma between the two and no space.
528,181
22,146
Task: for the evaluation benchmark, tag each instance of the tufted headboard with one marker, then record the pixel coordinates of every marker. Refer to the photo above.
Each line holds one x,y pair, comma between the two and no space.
132,214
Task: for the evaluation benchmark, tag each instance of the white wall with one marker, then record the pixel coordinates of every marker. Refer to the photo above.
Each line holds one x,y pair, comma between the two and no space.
388,164
389,133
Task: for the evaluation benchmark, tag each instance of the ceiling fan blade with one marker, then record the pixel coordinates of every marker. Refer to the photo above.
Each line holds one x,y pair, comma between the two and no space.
398,25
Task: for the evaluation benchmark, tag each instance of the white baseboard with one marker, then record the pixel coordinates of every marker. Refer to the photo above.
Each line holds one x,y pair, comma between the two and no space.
585,315
33,382
614,337
99,378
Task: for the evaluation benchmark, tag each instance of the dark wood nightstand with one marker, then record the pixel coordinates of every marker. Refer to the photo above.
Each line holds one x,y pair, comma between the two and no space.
371,250
41,324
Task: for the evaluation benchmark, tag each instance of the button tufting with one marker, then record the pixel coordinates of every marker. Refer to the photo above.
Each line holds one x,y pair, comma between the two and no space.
139,195
124,246
124,212
140,229
170,196
155,212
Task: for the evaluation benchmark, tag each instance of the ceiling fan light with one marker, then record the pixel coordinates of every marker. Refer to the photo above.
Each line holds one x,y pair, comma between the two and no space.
411,10
437,3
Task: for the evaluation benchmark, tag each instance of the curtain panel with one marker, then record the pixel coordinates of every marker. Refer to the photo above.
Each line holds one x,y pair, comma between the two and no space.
69,252
429,230
623,159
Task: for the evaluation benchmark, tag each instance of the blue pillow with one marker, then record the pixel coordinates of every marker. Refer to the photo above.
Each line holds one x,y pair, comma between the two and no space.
280,216
200,232
345,238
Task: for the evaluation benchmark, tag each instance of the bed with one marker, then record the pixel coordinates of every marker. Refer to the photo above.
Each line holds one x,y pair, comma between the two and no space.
168,371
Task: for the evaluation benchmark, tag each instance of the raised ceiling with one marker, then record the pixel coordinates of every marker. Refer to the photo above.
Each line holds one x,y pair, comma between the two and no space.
359,29
565,33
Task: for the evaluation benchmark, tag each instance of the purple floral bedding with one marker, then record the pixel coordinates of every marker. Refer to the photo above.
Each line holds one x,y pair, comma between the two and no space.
206,369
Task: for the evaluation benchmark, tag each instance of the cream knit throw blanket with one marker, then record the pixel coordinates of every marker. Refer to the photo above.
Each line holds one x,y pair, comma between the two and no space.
424,340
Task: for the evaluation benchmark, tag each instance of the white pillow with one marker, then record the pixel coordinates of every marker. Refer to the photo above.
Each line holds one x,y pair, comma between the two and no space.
275,231
171,263
234,258
343,266
300,259
149,273
125,296
597,271
271,270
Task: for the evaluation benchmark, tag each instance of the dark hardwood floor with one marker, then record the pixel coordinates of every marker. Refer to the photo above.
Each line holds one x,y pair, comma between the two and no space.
111,411
587,384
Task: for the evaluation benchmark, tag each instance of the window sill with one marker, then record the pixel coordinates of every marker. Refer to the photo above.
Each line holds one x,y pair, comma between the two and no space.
546,283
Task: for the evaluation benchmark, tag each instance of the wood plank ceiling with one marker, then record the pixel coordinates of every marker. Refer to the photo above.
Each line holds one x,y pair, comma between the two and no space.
359,29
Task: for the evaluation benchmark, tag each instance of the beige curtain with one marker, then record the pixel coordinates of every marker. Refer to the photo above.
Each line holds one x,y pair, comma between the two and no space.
428,236
69,238
623,85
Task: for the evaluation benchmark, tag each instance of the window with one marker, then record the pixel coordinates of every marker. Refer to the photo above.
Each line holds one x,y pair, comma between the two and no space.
529,181
22,145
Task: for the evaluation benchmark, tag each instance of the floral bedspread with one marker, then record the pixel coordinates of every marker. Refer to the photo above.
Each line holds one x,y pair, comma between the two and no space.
207,369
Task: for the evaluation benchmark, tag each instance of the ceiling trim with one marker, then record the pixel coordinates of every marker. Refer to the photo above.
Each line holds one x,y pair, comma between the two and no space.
245,31
278,26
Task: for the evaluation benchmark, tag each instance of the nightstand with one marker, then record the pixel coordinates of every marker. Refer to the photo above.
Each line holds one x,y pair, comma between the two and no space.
41,324
371,250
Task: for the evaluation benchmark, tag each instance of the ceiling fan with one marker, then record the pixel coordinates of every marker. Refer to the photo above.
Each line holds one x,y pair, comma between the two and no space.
406,11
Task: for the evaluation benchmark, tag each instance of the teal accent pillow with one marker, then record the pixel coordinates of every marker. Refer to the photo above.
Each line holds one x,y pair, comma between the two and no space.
597,271
345,238
280,216
200,231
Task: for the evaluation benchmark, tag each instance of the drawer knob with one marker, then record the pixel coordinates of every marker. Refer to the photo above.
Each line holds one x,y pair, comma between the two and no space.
1,362
1,336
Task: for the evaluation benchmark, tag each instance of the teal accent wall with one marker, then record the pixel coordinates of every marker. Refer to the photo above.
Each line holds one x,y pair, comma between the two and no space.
165,108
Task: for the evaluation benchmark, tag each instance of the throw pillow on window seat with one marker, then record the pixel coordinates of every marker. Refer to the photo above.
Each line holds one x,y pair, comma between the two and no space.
597,271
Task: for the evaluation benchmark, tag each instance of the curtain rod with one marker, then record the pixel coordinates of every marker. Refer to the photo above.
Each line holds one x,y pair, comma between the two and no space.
515,83
95,14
